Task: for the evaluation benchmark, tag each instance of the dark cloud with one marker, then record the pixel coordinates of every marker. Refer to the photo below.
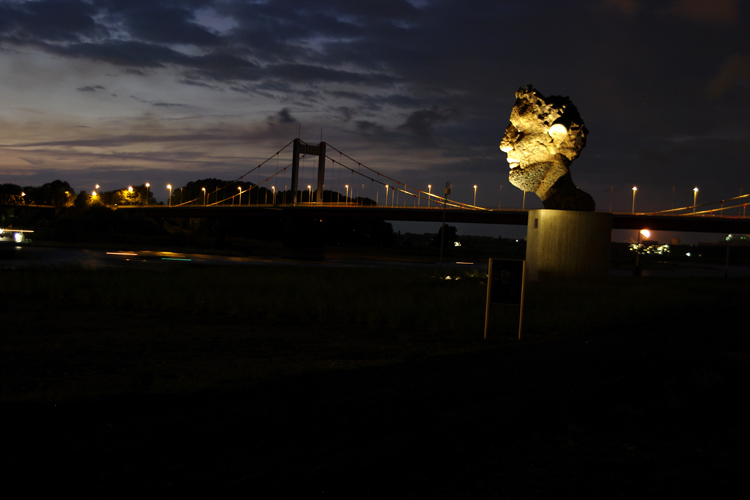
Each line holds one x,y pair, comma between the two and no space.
126,139
90,88
370,128
423,122
195,83
706,11
282,117
157,23
309,74
122,53
223,67
48,21
167,105
734,72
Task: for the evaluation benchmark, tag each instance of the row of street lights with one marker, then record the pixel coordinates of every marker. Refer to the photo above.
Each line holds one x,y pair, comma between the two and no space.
309,188
273,189
695,198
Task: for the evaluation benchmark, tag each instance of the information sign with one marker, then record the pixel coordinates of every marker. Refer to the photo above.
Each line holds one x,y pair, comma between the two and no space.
505,279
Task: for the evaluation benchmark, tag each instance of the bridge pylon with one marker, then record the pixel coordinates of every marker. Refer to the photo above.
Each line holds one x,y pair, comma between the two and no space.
300,148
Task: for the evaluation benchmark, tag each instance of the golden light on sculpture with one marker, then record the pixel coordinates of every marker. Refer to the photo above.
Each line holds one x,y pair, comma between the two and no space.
543,137
558,132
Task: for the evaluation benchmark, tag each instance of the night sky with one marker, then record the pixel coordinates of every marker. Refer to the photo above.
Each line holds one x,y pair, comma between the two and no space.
119,92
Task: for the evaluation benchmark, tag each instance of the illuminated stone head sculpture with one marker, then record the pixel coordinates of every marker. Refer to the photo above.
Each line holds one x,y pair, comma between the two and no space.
544,136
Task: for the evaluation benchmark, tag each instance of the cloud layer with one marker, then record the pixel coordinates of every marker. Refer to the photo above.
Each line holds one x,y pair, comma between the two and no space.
103,89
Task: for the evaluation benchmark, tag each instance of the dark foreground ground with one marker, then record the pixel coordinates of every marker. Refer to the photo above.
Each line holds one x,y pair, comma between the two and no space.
603,418
655,411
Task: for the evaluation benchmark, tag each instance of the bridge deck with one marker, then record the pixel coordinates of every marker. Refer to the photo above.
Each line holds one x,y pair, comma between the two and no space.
654,222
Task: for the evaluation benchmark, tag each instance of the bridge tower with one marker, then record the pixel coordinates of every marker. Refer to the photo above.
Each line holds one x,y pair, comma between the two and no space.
307,149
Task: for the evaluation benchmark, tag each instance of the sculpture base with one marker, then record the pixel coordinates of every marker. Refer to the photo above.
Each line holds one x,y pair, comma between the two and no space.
568,245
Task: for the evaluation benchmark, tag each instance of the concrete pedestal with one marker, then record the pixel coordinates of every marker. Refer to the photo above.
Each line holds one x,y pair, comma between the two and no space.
568,245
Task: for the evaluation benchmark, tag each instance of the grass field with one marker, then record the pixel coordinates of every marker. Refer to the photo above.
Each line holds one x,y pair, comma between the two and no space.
369,383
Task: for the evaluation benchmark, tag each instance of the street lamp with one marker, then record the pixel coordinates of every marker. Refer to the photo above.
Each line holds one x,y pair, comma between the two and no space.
695,197
632,209
475,195
309,196
386,195
429,193
204,196
646,234
347,193
147,186
130,194
273,188
239,188
169,203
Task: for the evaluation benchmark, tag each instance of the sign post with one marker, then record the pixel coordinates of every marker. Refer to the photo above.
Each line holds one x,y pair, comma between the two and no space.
448,187
505,285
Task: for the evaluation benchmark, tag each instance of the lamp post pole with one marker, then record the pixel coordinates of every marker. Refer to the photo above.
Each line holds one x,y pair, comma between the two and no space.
169,202
632,209
442,231
147,186
475,195
695,197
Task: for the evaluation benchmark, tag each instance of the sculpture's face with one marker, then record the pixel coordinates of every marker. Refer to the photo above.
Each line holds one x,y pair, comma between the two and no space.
532,146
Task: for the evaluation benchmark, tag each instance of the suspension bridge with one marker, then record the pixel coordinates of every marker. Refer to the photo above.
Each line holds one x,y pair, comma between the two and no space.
365,193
